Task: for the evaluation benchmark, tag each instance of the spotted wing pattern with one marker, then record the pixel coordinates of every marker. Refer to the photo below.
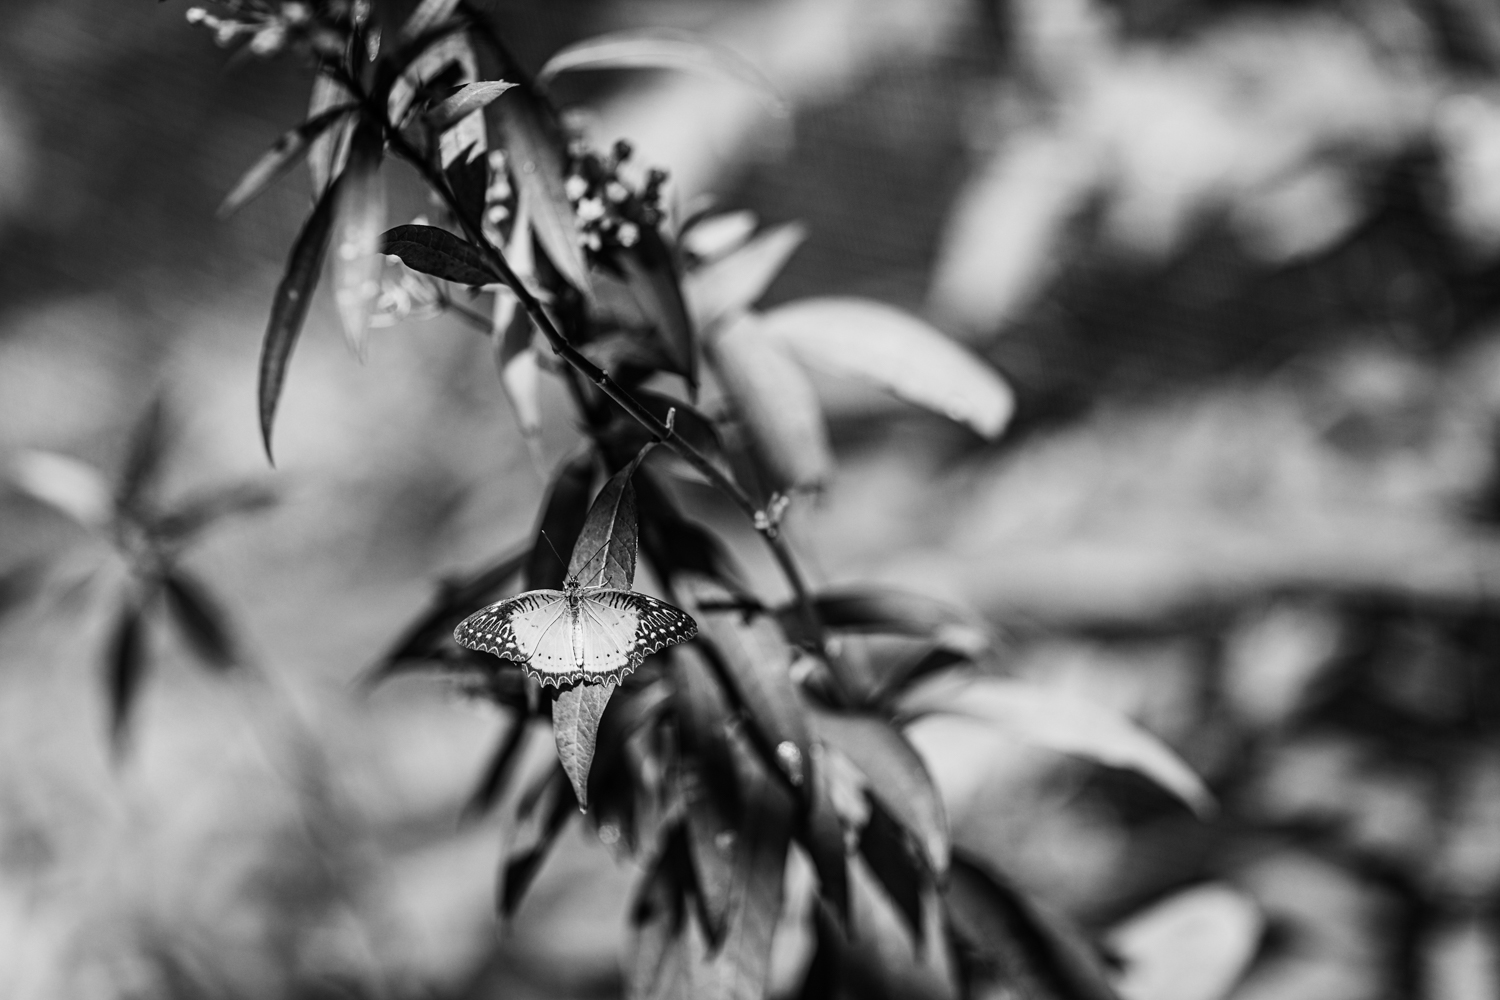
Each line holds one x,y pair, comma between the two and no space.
614,630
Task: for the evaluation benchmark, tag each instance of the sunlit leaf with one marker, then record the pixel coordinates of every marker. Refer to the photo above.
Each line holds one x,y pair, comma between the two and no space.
1195,945
563,514
777,404
897,778
427,16
282,157
359,219
66,484
735,282
329,150
202,620
439,253
471,97
1019,947
896,352
575,724
289,309
710,236
660,50
652,277
498,772
1063,722
604,555
124,668
441,50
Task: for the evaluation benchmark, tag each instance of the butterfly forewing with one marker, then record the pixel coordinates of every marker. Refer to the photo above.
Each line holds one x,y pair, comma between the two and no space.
603,635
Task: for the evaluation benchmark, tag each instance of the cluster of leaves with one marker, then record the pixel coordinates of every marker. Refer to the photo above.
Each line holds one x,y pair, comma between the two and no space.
779,729
144,543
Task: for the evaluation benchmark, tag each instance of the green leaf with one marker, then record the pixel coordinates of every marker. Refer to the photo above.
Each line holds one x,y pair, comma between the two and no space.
660,50
283,156
563,515
65,484
1063,722
1195,945
776,403
896,352
498,772
201,619
575,724
604,555
897,778
289,309
439,253
124,669
328,151
359,218
471,97
652,277
1020,947
736,281
892,612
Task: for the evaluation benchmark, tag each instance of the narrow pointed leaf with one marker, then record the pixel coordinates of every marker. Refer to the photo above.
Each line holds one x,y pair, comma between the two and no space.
575,724
1195,945
124,669
563,515
471,97
660,50
616,782
1062,722
651,275
520,870
776,403
203,509
892,612
536,153
498,772
328,150
736,281
439,253
897,778
441,50
887,849
896,352
148,445
201,619
66,484
604,555
359,218
282,157
427,16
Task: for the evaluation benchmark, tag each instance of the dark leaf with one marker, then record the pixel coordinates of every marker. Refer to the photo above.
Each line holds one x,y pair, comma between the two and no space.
124,668
890,853
575,724
471,97
776,403
892,612
283,156
651,274
898,353
613,780
328,151
665,949
604,555
822,979
469,177
439,253
289,310
359,218
563,515
536,151
897,778
203,509
707,780
520,870
823,835
691,425
1009,941
735,282
899,673
201,619
148,444
498,772
18,582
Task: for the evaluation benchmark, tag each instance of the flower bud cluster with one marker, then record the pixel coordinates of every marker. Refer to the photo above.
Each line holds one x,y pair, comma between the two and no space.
272,25
610,212
499,198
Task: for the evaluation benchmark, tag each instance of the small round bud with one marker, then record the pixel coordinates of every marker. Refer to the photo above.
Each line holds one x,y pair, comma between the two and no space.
575,187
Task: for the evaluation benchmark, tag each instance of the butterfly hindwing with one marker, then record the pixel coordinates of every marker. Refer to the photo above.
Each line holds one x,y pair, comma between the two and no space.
658,623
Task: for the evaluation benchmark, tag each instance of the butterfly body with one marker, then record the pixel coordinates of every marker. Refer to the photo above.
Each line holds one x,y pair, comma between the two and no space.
579,634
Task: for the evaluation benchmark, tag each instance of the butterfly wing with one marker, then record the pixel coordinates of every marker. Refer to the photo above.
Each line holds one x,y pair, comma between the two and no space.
531,629
640,625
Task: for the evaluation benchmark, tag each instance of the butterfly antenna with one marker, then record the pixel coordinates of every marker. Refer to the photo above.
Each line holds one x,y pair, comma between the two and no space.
560,559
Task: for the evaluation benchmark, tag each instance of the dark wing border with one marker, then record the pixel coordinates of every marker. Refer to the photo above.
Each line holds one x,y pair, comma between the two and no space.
488,629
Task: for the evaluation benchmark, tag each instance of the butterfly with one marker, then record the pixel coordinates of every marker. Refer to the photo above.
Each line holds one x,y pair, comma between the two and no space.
591,634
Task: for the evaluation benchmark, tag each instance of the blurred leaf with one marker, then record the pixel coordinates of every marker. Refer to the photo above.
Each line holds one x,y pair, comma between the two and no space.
328,151
1061,722
359,218
609,536
893,612
563,515
575,724
427,16
289,309
64,483
711,235
124,668
897,778
706,780
537,152
498,772
901,673
441,52
1195,945
519,367
889,852
1013,944
471,97
735,282
148,445
660,50
678,546
652,277
660,963
692,426
439,253
615,780
777,404
201,510
898,353
822,832
754,658
283,156
18,582
521,869
200,617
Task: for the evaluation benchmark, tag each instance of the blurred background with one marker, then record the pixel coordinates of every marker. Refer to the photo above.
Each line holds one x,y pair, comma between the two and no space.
1240,263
